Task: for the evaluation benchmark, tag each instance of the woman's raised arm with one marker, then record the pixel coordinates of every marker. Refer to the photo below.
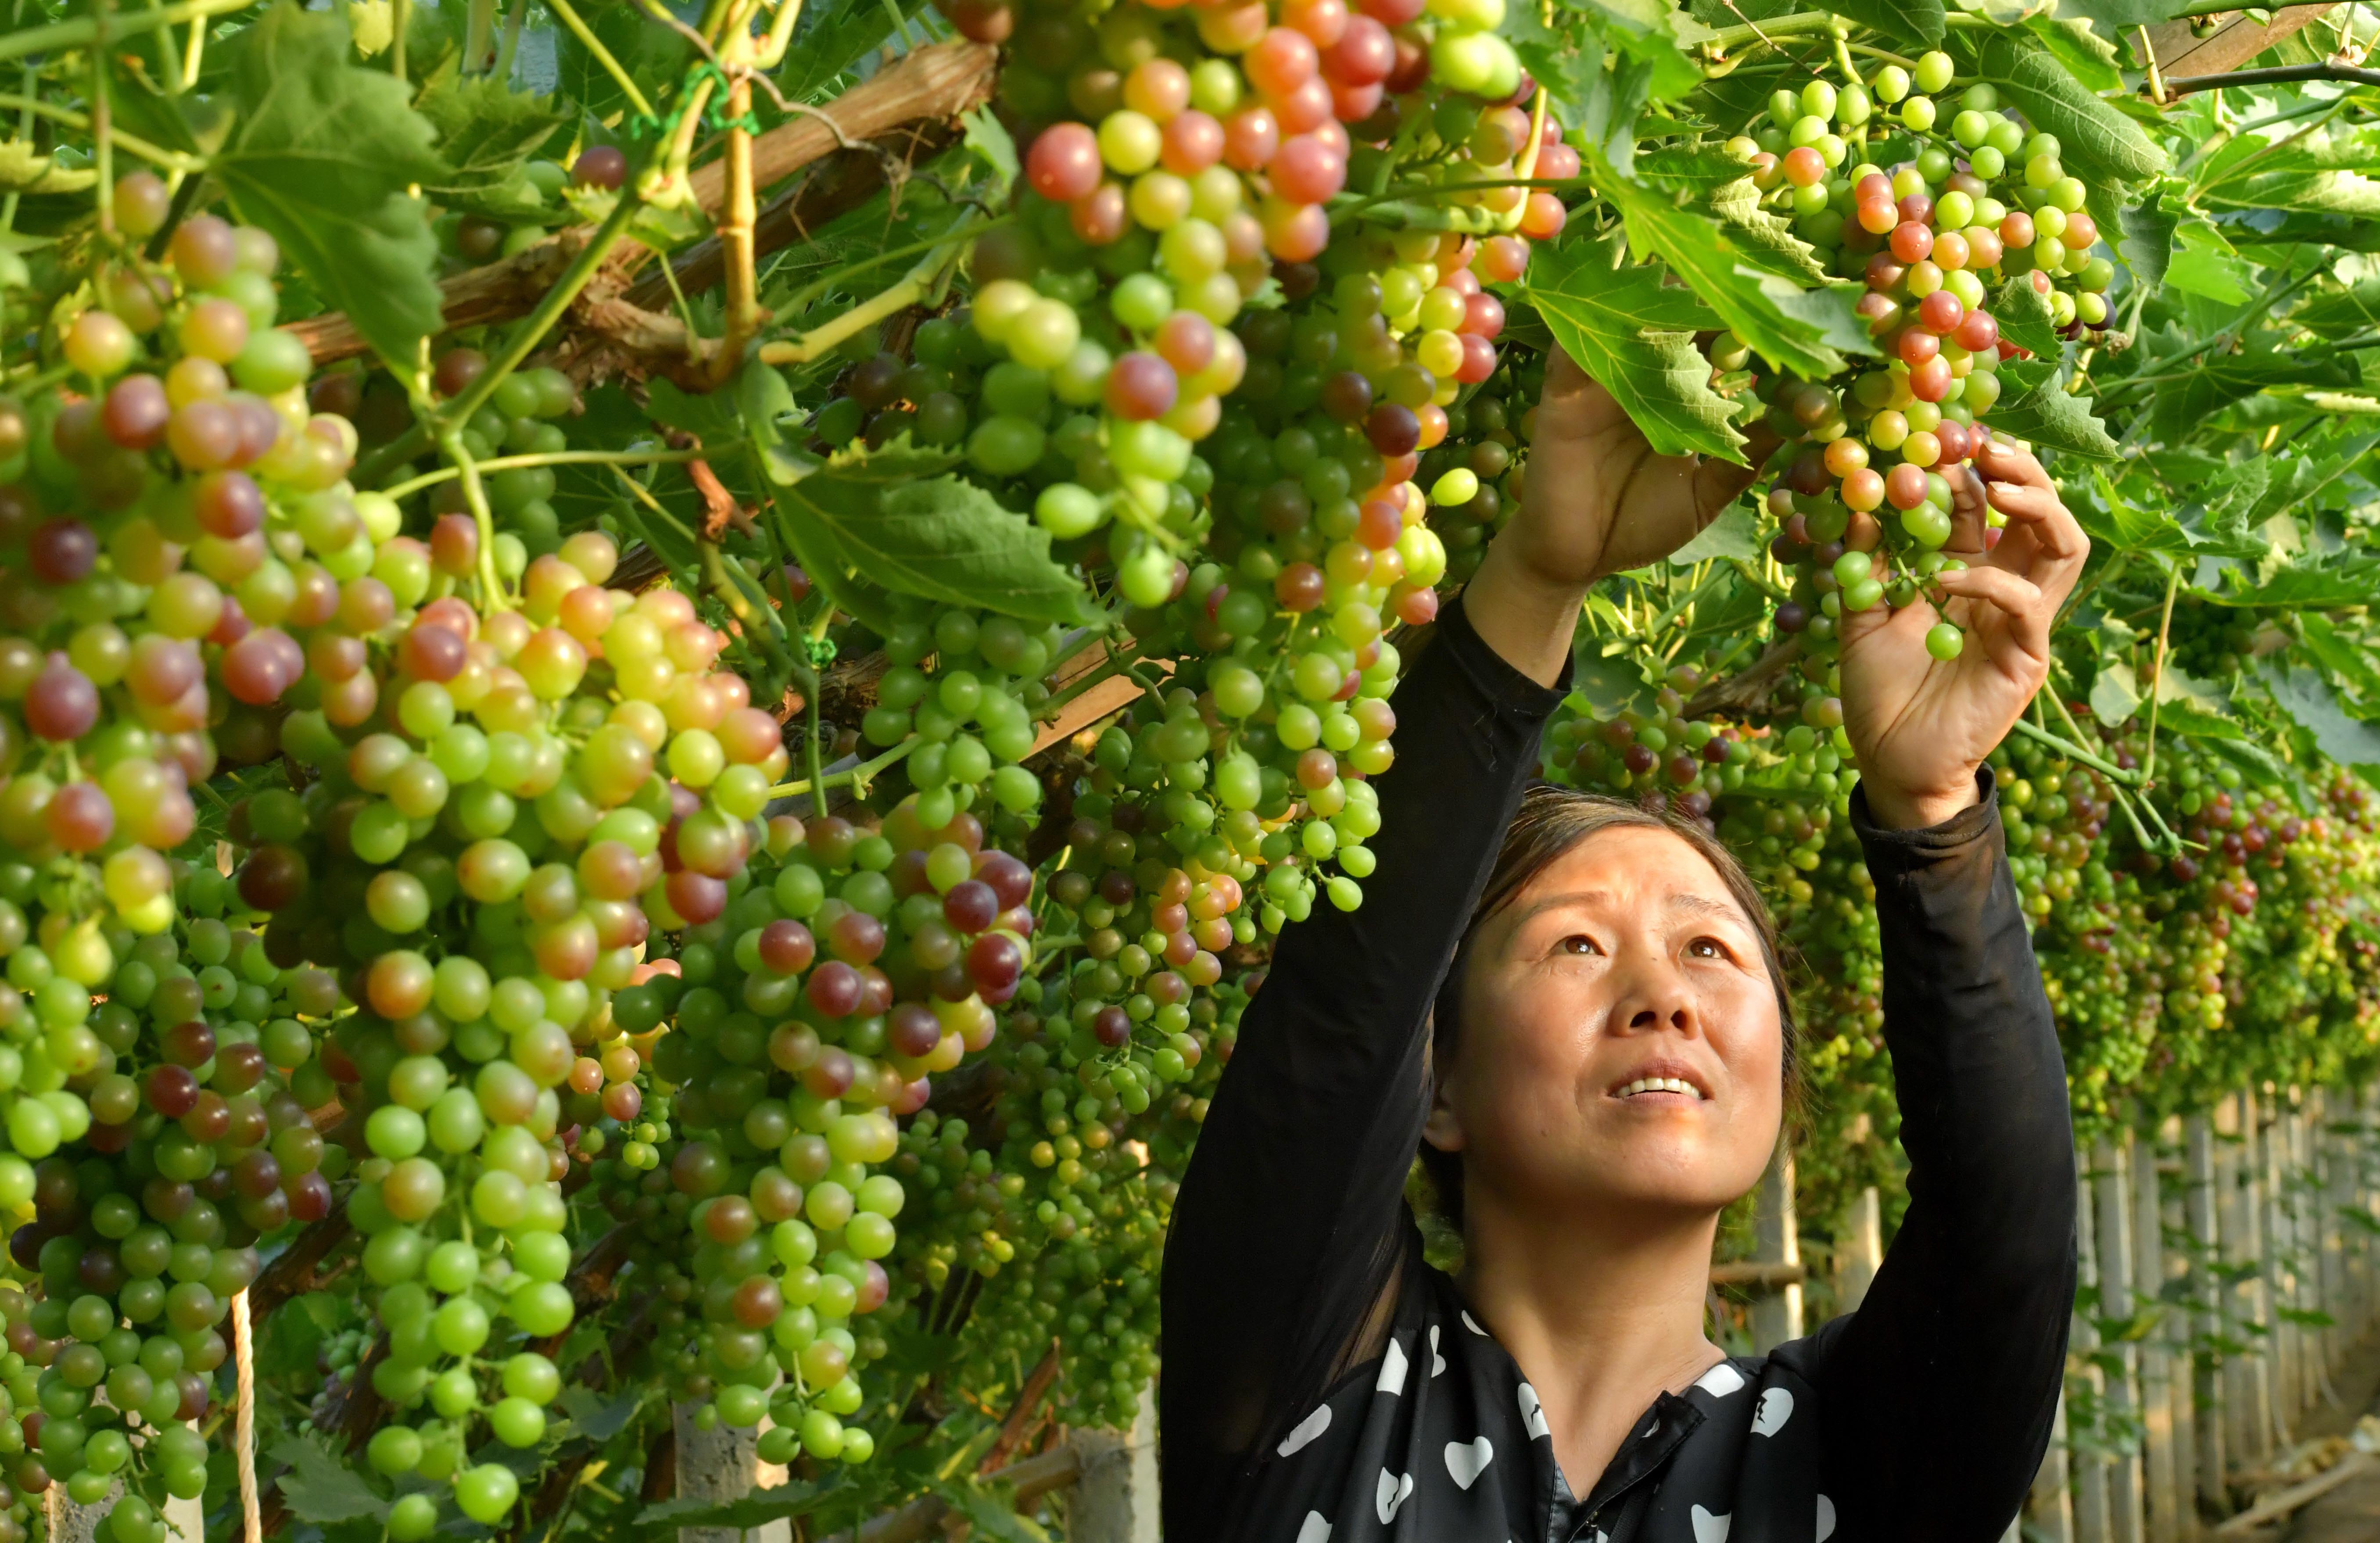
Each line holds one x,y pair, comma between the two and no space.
1288,1228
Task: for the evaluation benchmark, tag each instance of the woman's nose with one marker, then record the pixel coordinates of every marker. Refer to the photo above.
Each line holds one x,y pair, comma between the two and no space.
1654,998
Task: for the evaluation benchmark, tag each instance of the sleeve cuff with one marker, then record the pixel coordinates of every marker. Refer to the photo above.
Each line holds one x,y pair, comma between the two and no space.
1498,681
1904,850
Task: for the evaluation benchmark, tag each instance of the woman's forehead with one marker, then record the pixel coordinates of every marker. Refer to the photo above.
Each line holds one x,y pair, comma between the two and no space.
1636,868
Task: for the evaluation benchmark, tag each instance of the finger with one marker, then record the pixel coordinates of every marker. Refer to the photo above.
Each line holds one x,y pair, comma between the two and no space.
1716,484
2001,460
2044,515
2025,609
1967,512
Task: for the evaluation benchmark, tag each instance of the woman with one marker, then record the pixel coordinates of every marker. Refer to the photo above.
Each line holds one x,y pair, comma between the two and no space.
1589,1039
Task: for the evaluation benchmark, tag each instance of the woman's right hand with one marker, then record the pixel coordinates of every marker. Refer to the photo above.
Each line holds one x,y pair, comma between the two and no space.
1920,726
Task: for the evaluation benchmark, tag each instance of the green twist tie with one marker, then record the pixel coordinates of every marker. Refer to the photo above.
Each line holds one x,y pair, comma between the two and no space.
821,651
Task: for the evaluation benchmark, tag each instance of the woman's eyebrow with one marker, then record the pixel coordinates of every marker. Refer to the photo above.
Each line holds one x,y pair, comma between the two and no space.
1704,906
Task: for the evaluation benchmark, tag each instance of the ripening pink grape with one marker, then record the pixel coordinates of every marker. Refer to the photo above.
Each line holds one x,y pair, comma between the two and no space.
365,605
1295,233
1334,135
1141,386
335,657
1503,259
1916,346
1985,248
215,329
162,668
1305,171
228,503
1911,241
1363,55
1930,381
232,625
1940,313
2082,233
1157,88
435,653
1354,104
1977,331
1478,359
1194,142
1102,216
99,343
1064,163
256,669
1557,161
259,427
1306,109
1392,13
1250,137
454,545
1186,341
1864,488
1323,21
204,434
1282,60
79,818
1542,216
1804,167
1950,252
61,704
205,251
600,166
1483,316
1228,28
136,412
1905,486
2016,228
1952,437
1877,216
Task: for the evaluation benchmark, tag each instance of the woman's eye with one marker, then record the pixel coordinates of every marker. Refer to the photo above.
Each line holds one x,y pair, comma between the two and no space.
1579,944
1706,948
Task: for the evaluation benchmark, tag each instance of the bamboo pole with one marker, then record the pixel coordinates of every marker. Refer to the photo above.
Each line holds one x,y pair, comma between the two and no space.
2112,1213
2201,1198
2163,1520
2090,1467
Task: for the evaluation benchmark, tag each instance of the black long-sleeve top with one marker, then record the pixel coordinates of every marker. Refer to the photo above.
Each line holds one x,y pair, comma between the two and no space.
1322,1384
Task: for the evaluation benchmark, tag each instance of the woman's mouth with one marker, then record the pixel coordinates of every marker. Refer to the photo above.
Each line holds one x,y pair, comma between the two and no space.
1644,1085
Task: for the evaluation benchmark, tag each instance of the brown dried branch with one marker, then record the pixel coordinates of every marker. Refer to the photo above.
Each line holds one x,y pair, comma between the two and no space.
931,85
1749,690
1028,1398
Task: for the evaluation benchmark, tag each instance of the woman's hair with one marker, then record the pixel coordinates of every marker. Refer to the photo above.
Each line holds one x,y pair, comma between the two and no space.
1551,823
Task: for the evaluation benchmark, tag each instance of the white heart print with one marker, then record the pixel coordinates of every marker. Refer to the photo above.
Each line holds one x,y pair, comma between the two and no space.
1315,1529
1468,1323
1532,1414
1465,1463
1776,1408
1392,1493
1826,1519
1709,1528
1437,1361
1305,1432
1721,1380
1392,1370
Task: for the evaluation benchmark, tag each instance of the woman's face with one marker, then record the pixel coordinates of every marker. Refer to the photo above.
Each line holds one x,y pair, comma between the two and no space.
1620,1050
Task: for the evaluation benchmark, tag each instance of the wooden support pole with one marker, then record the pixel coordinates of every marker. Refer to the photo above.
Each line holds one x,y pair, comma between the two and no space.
722,1464
1115,1501
2159,1487
2199,1198
2248,1391
1776,1315
2089,1465
2049,1508
1862,1251
2112,1215
2280,1268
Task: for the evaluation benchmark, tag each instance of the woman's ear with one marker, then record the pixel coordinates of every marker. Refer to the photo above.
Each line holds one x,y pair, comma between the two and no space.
1442,1128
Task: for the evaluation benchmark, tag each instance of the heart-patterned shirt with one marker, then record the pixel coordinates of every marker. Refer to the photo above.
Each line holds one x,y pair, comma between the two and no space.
1322,1383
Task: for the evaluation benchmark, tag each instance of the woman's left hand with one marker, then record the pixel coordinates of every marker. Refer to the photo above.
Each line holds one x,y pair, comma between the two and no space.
1920,726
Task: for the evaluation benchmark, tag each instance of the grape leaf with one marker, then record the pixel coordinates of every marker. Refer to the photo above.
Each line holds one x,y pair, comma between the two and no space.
823,52
896,516
1911,20
2308,699
2023,314
2208,385
1636,335
319,1487
1709,176
990,139
486,132
2034,405
2115,694
2098,143
288,1341
2329,584
651,54
2195,722
2347,658
2147,244
2119,17
1654,33
2293,179
2341,312
2086,55
2204,263
1806,331
1733,534
322,160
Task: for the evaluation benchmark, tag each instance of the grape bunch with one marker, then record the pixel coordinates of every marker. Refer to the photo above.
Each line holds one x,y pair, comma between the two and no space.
1931,217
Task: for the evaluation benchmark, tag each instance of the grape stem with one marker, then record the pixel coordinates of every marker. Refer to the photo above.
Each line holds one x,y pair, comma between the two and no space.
557,300
553,457
62,35
594,45
400,16
156,155
859,775
2075,752
763,627
475,497
2156,676
819,340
